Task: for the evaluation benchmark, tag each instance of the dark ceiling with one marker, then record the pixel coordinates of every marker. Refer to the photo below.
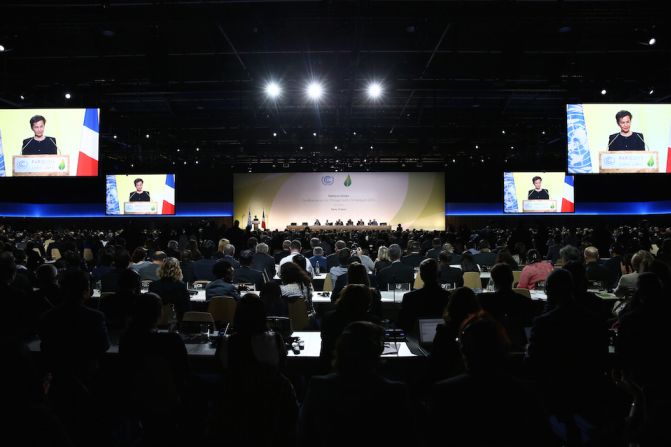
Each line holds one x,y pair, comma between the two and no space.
190,74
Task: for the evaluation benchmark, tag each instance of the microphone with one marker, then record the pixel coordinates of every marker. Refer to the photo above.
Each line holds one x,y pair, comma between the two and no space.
647,148
54,141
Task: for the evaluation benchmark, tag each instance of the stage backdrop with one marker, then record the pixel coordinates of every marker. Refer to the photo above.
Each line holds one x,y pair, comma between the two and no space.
413,199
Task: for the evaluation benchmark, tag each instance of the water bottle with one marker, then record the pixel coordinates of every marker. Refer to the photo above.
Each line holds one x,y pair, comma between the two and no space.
490,285
317,268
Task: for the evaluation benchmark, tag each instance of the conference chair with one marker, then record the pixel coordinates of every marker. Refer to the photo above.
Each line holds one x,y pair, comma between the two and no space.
472,280
168,316
524,292
55,254
419,283
222,309
328,283
298,314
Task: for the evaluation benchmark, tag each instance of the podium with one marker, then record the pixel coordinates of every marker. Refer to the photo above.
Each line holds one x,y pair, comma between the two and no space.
539,206
140,208
41,165
619,162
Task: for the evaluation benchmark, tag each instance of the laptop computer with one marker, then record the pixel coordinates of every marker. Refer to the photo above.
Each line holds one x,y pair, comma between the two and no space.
427,331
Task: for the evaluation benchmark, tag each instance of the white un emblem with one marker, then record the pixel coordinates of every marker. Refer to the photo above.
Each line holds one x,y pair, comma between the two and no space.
328,180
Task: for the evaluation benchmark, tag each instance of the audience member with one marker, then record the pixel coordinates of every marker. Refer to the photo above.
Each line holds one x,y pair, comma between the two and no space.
170,287
223,284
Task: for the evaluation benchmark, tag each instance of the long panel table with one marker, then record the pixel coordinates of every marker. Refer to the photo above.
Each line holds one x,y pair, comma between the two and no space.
339,227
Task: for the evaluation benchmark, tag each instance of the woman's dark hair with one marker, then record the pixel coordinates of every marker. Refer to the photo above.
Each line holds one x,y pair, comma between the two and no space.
250,315
291,273
358,348
139,254
354,301
621,114
357,274
533,256
463,302
147,311
37,118
484,344
300,261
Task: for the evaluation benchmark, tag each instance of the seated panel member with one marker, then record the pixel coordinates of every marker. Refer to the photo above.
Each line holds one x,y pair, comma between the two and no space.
39,144
625,140
138,195
538,193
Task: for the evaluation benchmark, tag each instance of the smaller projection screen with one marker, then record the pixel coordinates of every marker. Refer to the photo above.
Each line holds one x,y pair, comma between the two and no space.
368,200
537,192
49,142
618,138
140,194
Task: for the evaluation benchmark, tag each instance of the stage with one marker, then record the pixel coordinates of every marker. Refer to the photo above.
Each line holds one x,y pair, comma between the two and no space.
318,228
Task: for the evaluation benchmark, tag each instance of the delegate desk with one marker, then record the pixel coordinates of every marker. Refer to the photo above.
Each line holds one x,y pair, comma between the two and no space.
317,228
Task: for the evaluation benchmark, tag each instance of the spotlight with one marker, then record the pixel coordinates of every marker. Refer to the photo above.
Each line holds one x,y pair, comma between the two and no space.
185,162
196,161
147,136
68,95
374,90
22,97
603,92
132,165
300,148
454,160
503,132
114,136
274,134
314,134
2,48
543,132
273,90
652,91
197,149
314,91
477,147
353,133
177,149
652,41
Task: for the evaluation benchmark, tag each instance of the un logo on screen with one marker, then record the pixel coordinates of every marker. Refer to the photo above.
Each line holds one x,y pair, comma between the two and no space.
328,180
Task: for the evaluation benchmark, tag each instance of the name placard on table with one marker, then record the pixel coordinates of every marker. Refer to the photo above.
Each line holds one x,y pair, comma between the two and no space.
140,208
41,165
628,161
539,206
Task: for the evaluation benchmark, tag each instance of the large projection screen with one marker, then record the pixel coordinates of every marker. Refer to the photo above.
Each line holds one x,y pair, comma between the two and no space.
618,138
412,199
49,142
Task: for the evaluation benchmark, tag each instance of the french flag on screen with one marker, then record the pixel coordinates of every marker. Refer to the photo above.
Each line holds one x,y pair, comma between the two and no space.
87,164
169,195
567,203
668,154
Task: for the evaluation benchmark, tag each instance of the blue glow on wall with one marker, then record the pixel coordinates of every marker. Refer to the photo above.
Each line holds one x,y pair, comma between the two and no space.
225,209
90,210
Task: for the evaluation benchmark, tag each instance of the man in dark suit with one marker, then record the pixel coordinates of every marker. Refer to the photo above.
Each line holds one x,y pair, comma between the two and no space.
413,258
594,271
397,272
485,255
448,274
568,351
246,274
514,311
286,251
263,262
427,302
74,337
357,393
332,259
436,248
613,265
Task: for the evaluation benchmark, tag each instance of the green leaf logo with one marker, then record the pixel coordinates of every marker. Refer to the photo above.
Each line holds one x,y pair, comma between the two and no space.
153,208
552,206
62,165
651,162
348,181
